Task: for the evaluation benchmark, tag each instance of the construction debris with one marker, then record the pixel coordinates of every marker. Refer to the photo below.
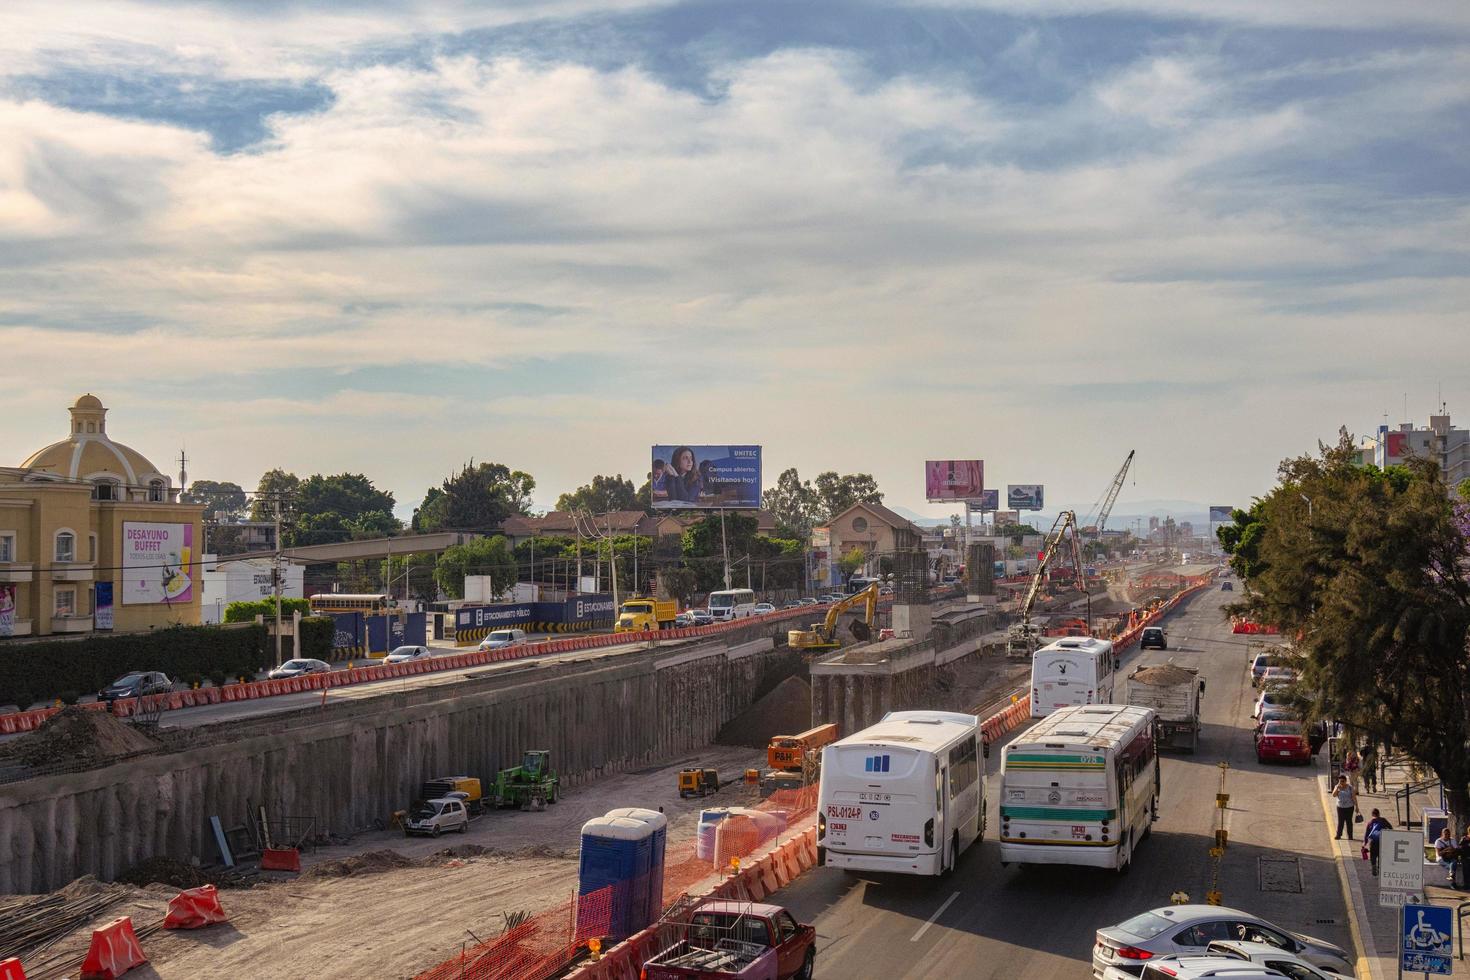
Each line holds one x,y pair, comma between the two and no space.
166,871
79,735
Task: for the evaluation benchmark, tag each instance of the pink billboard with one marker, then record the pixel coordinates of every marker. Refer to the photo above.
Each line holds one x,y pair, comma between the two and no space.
954,479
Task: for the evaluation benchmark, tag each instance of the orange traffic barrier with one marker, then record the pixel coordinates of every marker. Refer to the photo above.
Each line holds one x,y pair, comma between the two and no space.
11,970
114,951
280,859
194,908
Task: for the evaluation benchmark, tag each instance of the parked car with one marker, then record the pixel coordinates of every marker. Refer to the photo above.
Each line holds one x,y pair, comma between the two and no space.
1274,958
761,608
1272,714
1261,662
1227,587
1198,968
436,817
1271,698
1153,636
136,685
503,638
1277,675
297,668
1184,929
402,655
1283,741
702,617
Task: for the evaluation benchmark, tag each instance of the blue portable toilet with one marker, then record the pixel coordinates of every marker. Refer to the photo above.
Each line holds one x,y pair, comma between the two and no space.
660,826
616,853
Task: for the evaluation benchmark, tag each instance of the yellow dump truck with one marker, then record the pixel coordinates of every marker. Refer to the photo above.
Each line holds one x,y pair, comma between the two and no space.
640,614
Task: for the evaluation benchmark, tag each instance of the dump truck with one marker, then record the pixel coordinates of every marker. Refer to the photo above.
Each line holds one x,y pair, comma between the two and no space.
1174,692
640,614
745,940
529,785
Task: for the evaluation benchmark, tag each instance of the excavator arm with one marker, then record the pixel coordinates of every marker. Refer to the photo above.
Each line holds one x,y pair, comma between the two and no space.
1024,635
824,634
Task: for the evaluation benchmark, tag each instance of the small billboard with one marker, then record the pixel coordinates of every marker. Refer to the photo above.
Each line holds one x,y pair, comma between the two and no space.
989,500
1220,515
954,479
1024,496
1005,518
706,477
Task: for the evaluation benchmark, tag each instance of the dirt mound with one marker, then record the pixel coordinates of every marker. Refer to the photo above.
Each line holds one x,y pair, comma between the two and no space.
786,710
373,862
165,871
76,734
1163,675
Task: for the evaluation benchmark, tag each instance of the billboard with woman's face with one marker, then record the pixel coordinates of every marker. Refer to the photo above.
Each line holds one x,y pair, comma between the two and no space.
708,477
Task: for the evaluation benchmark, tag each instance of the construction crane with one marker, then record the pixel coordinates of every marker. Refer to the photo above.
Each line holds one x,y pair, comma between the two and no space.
1113,491
823,635
1023,639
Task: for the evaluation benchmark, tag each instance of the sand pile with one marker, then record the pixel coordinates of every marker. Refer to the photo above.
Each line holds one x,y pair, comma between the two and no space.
1163,675
76,734
373,862
786,710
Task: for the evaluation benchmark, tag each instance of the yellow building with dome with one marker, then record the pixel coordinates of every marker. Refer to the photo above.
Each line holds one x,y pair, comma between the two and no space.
93,537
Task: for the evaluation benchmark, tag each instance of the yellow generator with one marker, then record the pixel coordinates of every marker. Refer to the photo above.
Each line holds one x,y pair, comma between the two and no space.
698,782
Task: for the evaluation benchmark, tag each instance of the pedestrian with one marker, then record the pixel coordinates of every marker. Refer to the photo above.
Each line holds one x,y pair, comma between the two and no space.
1347,802
1351,765
1445,852
1372,837
1370,767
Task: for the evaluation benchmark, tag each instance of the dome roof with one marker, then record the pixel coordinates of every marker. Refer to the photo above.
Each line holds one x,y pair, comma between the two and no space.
88,453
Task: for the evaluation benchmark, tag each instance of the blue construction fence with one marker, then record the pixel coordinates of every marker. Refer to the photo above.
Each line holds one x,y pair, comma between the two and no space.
578,614
359,634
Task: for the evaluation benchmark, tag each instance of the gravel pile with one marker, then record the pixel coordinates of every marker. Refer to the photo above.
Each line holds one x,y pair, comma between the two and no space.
76,734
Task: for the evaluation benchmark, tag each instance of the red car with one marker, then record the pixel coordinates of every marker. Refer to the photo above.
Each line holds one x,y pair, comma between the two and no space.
1283,741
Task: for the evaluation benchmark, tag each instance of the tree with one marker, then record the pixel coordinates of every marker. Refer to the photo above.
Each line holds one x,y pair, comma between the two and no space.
477,498
1370,580
412,573
852,559
603,494
482,556
274,486
223,502
779,561
800,506
837,493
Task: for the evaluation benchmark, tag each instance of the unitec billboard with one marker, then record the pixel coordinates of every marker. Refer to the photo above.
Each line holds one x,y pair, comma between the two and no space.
707,477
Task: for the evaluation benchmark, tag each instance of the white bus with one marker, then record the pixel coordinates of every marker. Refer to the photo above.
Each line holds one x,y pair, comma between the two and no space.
905,795
1080,787
731,604
1074,670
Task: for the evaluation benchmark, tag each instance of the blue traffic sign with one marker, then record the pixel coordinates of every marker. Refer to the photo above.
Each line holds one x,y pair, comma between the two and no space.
1425,942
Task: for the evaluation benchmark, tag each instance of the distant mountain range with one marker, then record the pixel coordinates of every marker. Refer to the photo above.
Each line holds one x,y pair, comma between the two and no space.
1191,511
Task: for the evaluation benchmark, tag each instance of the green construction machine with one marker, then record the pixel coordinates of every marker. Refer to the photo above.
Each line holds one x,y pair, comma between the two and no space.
530,785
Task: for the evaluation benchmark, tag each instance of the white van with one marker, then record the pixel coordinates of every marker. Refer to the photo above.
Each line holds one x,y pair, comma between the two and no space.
503,638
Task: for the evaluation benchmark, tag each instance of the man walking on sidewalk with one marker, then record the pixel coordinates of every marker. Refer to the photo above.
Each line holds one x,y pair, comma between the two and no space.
1372,837
1347,802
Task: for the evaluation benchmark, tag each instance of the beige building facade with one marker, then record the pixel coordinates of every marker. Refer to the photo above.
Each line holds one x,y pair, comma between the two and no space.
93,537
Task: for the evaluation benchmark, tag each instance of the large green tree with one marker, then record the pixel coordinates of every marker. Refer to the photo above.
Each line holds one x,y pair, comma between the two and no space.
482,556
223,501
275,487
1365,569
799,505
477,498
779,561
603,494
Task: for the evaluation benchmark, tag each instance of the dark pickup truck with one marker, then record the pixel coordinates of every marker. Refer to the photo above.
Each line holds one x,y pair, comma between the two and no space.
747,940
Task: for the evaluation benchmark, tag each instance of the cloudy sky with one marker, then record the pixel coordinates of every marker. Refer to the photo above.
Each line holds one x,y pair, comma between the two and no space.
390,236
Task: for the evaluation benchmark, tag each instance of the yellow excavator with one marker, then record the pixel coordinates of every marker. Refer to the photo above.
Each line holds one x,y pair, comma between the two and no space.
823,635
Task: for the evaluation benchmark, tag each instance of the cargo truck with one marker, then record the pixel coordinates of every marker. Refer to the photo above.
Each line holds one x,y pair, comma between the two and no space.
642,614
1174,693
745,940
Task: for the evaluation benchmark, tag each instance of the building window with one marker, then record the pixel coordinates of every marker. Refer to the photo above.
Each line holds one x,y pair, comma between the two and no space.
66,602
7,546
859,524
105,490
91,426
91,547
155,491
66,546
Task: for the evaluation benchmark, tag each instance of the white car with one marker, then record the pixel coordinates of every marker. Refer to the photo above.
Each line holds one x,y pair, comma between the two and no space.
1269,699
761,608
436,817
403,655
1197,968
503,638
1274,958
1187,930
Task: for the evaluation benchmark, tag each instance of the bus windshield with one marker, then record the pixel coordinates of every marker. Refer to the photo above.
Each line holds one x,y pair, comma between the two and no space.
718,601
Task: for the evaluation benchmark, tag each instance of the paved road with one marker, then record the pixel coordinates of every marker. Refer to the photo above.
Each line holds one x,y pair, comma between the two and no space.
1038,923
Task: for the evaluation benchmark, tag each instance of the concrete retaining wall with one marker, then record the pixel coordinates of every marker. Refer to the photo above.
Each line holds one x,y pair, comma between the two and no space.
354,769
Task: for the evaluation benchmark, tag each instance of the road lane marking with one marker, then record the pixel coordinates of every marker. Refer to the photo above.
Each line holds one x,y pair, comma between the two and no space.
925,927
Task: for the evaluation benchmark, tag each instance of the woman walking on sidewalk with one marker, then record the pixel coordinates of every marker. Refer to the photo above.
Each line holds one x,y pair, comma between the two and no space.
1372,838
1347,802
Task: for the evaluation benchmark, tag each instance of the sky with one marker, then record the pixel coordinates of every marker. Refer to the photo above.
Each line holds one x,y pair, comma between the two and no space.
389,237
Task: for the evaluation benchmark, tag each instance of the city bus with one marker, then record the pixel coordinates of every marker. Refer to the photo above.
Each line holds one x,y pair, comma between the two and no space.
1080,787
1074,670
906,795
339,602
731,604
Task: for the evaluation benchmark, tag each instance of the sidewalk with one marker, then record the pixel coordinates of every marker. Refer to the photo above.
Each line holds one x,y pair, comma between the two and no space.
1375,928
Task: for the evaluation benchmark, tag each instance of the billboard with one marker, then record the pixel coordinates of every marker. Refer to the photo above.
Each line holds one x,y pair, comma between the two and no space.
7,610
102,606
155,563
1220,515
989,500
1024,496
1005,518
709,477
954,479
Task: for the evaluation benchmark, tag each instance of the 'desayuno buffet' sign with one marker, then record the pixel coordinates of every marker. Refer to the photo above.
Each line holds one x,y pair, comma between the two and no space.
155,563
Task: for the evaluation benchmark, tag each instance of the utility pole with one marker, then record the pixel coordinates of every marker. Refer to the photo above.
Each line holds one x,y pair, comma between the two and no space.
276,580
612,560
725,548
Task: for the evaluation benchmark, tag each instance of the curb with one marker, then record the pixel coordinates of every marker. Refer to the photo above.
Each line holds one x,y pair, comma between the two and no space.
1352,894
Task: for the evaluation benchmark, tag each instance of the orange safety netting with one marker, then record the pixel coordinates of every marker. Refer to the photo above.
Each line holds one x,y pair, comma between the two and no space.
543,945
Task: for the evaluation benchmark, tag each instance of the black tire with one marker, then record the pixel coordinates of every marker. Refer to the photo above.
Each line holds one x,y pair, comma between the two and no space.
808,965
435,832
821,857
